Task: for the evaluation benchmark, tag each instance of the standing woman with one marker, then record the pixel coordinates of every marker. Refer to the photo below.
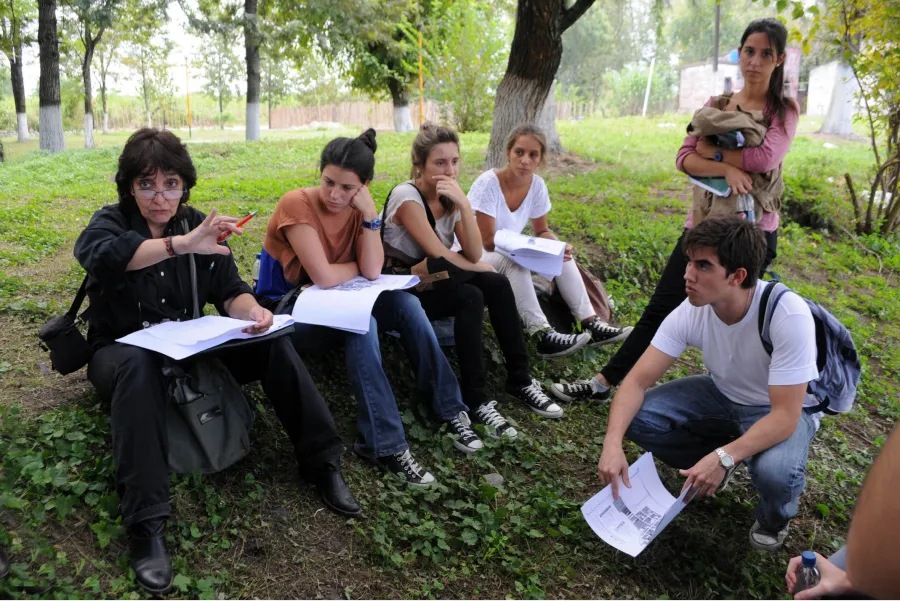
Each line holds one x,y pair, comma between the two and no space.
409,239
762,54
327,235
510,198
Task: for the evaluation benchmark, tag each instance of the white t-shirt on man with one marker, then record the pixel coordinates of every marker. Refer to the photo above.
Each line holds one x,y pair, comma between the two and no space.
486,197
734,355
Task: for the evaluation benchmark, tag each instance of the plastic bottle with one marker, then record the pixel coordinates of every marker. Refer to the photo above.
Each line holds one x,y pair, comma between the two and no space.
254,274
745,208
807,573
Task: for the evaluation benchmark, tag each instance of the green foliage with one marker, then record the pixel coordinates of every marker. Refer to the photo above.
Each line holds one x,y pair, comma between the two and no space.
690,27
625,89
471,54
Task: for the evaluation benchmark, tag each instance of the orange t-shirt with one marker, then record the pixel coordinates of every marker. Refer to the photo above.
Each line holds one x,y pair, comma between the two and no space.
303,206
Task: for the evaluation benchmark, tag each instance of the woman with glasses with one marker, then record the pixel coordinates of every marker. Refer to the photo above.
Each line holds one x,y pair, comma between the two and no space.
135,254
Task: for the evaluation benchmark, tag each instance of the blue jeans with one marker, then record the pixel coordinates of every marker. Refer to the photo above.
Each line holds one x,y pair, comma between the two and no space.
378,419
684,420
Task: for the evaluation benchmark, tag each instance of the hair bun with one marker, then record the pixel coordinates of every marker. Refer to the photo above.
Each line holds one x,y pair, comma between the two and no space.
368,138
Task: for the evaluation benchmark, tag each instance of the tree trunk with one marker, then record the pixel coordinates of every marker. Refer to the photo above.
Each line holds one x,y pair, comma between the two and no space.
50,115
839,119
251,43
103,101
221,111
524,94
89,45
400,98
18,89
145,91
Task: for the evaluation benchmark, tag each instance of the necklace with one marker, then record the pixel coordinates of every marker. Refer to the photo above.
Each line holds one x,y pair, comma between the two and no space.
749,300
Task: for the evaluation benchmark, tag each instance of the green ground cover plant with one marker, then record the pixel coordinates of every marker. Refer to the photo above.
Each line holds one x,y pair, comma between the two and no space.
256,531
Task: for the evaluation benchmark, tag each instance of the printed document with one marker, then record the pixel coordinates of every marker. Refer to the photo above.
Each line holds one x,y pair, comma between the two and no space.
641,512
540,255
181,339
347,306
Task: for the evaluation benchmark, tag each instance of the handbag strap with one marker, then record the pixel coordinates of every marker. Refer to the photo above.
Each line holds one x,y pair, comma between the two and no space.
194,296
72,313
428,214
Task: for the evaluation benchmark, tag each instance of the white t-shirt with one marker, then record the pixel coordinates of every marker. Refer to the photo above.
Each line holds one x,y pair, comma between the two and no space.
397,237
486,197
734,355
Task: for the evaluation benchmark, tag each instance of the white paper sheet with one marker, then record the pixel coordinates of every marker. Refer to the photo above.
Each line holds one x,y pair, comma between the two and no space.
347,306
181,339
541,255
641,512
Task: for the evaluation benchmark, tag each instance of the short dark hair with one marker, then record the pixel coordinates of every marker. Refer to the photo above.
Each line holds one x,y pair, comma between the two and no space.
149,150
737,242
354,154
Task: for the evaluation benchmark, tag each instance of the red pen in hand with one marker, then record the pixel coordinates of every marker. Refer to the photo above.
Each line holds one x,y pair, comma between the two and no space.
239,224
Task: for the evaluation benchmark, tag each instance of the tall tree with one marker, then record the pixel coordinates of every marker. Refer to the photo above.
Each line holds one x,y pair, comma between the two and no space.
50,111
107,52
221,67
275,77
524,93
16,19
252,40
147,56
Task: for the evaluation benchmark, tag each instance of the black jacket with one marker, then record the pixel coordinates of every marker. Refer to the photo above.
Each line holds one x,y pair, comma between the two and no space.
122,302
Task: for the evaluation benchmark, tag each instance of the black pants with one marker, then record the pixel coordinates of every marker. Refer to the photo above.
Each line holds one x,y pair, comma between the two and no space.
131,379
668,295
466,304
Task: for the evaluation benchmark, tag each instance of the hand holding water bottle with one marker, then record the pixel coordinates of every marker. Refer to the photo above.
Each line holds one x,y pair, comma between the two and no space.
806,581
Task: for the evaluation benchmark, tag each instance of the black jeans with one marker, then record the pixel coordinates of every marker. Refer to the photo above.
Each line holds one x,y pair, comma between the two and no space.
131,379
465,303
668,295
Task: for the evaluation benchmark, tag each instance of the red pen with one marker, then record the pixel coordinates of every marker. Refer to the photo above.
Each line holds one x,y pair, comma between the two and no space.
239,224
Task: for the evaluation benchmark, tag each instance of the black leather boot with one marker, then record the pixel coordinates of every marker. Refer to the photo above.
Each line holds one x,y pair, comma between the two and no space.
149,558
334,491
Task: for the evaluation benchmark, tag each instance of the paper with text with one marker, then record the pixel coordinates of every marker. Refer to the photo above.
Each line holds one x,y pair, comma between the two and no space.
540,255
347,306
643,511
181,339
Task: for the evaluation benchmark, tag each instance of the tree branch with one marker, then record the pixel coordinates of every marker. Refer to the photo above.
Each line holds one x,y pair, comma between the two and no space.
573,13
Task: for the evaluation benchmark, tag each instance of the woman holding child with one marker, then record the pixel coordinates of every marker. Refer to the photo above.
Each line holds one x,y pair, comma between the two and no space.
421,218
748,170
327,235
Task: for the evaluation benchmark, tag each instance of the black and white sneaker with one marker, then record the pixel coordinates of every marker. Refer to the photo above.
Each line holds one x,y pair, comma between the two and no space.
579,390
603,333
493,421
404,466
553,344
464,438
537,401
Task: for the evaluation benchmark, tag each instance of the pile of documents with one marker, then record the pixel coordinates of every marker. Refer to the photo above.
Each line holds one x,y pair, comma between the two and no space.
540,255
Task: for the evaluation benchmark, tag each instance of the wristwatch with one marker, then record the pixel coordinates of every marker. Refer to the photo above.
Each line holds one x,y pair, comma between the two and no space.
725,459
717,157
375,224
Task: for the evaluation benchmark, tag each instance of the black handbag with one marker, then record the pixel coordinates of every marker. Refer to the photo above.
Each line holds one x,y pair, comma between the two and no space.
69,351
440,274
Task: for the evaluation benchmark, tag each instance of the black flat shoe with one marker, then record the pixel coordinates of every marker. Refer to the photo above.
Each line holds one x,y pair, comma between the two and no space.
4,563
149,559
336,494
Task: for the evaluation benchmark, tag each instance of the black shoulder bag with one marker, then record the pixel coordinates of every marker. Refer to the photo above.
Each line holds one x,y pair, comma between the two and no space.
69,351
441,274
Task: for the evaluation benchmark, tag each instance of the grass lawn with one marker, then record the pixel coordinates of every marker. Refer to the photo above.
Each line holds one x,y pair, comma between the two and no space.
256,531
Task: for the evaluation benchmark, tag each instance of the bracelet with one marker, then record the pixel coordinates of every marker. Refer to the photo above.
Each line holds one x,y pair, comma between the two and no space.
169,248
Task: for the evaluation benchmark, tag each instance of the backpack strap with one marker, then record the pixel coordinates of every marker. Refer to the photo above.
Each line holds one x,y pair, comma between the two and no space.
428,214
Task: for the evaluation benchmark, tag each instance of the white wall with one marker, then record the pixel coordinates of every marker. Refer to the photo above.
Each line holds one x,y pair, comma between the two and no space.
821,85
698,84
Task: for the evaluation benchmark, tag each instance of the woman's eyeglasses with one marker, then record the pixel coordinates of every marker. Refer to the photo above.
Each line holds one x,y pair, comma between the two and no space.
149,194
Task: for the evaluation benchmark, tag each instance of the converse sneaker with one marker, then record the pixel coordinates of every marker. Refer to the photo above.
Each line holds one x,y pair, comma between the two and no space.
588,390
464,438
553,344
403,465
766,540
603,333
537,401
493,421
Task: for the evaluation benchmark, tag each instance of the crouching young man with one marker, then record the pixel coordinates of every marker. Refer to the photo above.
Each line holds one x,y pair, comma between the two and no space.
750,408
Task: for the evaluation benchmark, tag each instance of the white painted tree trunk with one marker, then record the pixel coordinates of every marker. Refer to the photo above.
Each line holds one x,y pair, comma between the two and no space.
839,119
105,122
50,119
149,119
22,126
88,130
252,121
402,118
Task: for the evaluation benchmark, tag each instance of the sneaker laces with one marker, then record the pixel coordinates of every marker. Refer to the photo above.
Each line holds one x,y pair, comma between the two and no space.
536,395
603,327
560,338
409,463
578,386
463,425
490,416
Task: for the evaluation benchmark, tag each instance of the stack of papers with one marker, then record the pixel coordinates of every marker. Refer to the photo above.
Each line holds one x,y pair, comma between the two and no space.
541,255
641,512
717,185
347,306
181,339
